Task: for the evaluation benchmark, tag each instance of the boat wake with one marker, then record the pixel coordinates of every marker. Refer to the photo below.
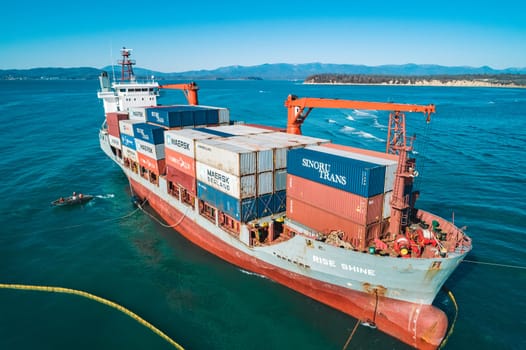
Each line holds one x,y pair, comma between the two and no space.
105,196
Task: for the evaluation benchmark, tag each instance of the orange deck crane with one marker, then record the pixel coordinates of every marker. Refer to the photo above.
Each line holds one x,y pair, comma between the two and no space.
299,109
189,90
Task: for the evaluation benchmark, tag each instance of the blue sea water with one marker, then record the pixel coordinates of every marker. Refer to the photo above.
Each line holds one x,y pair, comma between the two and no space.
472,166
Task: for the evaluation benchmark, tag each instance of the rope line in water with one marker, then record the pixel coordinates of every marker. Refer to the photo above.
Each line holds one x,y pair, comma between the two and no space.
452,297
495,264
159,221
96,298
351,335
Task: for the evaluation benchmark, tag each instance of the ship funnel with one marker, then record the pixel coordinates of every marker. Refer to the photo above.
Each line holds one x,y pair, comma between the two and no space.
104,81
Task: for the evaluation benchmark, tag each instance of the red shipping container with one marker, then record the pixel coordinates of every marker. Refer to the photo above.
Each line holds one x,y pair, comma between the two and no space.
180,161
112,119
326,222
361,210
153,165
365,152
178,177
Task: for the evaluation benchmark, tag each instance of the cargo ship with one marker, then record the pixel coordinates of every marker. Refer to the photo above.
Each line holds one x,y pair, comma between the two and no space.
335,223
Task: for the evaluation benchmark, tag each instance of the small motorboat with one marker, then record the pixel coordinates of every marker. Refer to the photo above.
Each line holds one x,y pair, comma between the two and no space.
75,199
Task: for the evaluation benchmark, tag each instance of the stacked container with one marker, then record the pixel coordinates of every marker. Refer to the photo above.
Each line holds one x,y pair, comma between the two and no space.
112,120
180,156
331,188
129,148
230,170
184,116
149,143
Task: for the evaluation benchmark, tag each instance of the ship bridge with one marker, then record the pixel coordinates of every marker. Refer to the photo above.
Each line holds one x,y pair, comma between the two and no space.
123,95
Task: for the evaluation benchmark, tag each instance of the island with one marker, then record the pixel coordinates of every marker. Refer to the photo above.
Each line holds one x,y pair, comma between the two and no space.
479,80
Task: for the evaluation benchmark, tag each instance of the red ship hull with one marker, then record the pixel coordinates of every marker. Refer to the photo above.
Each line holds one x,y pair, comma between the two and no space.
420,326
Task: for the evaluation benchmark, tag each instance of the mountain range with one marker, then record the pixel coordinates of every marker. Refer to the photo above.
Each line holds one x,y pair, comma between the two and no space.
276,71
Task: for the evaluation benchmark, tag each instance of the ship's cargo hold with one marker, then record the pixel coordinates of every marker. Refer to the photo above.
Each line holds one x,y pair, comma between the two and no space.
229,158
362,178
149,133
242,210
239,187
361,210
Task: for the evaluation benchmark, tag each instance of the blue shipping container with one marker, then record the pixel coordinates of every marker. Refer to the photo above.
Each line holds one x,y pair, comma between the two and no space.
280,201
265,205
215,132
241,210
149,133
180,116
128,141
212,116
351,175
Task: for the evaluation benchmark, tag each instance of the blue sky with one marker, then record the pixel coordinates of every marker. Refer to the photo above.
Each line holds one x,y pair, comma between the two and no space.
175,36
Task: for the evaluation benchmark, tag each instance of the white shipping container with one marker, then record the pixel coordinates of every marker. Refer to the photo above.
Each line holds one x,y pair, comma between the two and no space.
137,113
280,180
126,126
127,152
225,156
265,183
239,129
148,149
239,187
115,141
183,140
283,142
264,153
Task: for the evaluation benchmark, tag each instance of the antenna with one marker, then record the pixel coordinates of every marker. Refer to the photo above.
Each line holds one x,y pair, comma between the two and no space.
112,65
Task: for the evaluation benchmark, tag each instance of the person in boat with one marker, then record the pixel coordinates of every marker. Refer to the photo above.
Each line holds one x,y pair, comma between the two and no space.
74,196
81,195
61,200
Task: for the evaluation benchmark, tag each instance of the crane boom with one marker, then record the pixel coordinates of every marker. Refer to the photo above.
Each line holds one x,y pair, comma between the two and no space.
189,90
297,114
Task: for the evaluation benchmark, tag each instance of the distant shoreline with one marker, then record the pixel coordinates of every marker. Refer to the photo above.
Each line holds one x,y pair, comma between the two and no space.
434,83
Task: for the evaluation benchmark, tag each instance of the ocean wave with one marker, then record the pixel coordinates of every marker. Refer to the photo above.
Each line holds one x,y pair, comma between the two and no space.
347,129
367,135
109,195
331,121
361,113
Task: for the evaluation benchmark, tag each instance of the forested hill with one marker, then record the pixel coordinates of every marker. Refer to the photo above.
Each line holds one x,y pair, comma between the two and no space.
499,80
